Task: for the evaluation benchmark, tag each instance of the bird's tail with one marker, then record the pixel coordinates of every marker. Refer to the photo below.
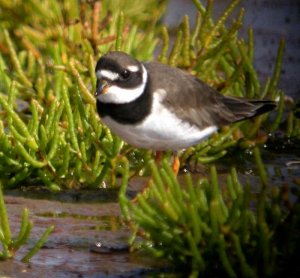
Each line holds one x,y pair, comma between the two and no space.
245,109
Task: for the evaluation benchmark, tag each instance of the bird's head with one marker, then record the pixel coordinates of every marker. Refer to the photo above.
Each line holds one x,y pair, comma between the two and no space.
120,78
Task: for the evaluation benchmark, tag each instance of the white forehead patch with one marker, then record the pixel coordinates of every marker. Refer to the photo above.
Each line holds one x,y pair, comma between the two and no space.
133,68
107,74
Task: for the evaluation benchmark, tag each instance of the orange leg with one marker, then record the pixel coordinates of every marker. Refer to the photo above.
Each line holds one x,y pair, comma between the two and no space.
176,164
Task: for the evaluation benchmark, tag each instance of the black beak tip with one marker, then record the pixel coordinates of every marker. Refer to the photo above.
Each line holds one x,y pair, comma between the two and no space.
101,85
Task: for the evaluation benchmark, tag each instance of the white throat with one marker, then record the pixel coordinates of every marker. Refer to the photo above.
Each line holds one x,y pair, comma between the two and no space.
119,95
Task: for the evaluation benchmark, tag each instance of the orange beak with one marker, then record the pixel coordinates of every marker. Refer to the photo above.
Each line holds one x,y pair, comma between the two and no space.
101,88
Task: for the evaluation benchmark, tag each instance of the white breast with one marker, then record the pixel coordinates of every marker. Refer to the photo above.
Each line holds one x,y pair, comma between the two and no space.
161,130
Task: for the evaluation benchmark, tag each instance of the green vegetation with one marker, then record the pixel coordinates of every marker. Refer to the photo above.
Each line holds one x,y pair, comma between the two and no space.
209,229
9,244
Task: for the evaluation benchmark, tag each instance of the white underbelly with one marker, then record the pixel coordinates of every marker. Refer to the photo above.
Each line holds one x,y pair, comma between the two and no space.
161,130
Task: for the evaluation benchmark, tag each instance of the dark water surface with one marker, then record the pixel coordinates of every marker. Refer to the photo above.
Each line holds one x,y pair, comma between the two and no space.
70,251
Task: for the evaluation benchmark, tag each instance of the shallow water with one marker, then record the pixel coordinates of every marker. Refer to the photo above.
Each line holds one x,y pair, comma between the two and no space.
70,250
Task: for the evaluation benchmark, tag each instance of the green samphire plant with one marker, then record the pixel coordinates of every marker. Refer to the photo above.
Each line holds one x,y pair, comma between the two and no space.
208,228
10,244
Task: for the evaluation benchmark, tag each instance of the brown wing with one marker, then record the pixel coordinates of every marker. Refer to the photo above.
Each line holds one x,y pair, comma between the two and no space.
196,102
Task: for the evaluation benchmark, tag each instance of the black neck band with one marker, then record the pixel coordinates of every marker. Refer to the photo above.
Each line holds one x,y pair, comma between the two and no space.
131,112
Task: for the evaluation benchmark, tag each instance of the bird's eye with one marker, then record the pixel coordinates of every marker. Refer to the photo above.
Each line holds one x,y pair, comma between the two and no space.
125,74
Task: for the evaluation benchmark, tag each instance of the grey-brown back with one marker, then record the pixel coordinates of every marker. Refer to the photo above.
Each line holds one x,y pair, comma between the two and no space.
194,101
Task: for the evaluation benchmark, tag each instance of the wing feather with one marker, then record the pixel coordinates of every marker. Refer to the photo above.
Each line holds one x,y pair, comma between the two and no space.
195,102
